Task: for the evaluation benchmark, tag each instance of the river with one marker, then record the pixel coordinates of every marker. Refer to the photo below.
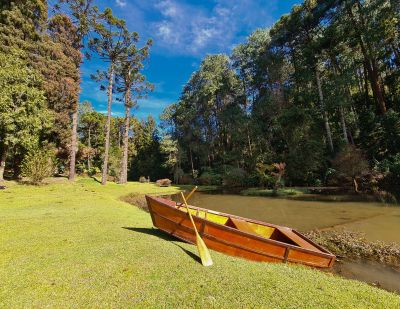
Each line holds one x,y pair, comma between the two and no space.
377,221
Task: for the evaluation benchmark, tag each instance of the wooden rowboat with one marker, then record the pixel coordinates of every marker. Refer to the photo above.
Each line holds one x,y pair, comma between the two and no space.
237,236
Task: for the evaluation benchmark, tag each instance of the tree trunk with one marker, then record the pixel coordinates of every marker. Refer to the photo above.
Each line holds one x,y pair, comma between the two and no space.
343,122
249,141
89,163
370,63
3,162
124,163
191,161
366,86
346,92
74,145
108,125
355,185
324,113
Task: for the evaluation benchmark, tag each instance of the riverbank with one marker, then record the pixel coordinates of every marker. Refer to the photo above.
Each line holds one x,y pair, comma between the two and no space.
273,193
77,244
354,246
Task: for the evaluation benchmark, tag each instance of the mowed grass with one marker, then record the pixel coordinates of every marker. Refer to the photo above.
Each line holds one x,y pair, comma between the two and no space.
78,245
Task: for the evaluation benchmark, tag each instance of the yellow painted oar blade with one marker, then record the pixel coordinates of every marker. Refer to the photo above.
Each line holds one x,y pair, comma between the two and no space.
201,246
203,251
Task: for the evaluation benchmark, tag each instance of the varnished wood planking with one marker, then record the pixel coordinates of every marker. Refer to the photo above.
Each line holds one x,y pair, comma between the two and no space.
288,246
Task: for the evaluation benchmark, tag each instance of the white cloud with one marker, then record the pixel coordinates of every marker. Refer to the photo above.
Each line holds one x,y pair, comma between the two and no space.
113,113
194,29
168,8
120,3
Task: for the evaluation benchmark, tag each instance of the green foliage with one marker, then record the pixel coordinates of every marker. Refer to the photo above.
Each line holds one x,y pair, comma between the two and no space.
209,177
351,162
148,159
93,171
114,163
324,76
234,177
23,113
391,182
265,177
38,164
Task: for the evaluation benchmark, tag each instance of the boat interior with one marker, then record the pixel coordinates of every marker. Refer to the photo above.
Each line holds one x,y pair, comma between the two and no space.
283,234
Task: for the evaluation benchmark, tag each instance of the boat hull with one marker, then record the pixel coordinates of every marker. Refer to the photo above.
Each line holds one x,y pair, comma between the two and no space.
289,246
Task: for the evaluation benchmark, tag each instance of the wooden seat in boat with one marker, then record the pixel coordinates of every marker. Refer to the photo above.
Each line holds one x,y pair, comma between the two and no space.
297,239
240,225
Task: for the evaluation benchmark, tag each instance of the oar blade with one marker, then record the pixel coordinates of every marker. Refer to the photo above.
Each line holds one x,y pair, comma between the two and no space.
205,255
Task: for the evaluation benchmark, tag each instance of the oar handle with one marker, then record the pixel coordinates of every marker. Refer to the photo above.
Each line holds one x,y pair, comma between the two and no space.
191,193
188,210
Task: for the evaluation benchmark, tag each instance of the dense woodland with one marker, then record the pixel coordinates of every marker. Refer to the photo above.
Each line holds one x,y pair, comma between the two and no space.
43,127
312,101
318,92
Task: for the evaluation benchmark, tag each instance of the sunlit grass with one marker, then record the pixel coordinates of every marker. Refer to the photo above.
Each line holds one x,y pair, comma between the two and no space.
78,245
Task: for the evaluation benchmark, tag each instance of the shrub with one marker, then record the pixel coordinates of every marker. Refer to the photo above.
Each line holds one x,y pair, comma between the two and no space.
163,182
81,168
142,179
265,178
210,177
39,164
391,180
352,163
93,171
114,163
252,180
235,177
186,179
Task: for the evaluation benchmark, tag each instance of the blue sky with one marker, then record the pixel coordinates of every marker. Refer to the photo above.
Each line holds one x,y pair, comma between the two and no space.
183,32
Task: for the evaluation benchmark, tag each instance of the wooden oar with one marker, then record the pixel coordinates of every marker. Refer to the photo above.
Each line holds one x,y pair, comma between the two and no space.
189,195
201,246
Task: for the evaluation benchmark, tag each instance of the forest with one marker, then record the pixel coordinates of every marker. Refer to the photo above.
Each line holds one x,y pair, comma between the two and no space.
44,129
313,100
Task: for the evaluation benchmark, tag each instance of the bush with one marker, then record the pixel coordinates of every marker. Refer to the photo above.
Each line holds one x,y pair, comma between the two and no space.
186,179
253,180
81,168
143,179
265,179
114,164
352,163
210,177
391,180
39,164
235,177
163,182
93,171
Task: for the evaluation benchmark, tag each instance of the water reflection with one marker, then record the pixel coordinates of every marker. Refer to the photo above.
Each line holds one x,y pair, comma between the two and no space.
377,221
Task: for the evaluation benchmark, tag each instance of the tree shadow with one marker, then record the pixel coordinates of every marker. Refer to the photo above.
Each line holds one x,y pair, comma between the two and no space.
160,234
95,179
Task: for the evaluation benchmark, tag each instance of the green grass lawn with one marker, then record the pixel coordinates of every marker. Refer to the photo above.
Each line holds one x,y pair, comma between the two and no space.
78,245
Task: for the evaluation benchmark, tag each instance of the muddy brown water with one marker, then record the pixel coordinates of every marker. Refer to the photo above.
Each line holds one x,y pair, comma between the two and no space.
377,221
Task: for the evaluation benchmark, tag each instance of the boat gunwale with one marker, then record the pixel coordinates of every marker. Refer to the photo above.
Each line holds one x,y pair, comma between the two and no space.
323,253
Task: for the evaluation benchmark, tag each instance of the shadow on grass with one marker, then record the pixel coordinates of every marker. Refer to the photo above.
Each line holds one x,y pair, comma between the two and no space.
164,236
95,179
